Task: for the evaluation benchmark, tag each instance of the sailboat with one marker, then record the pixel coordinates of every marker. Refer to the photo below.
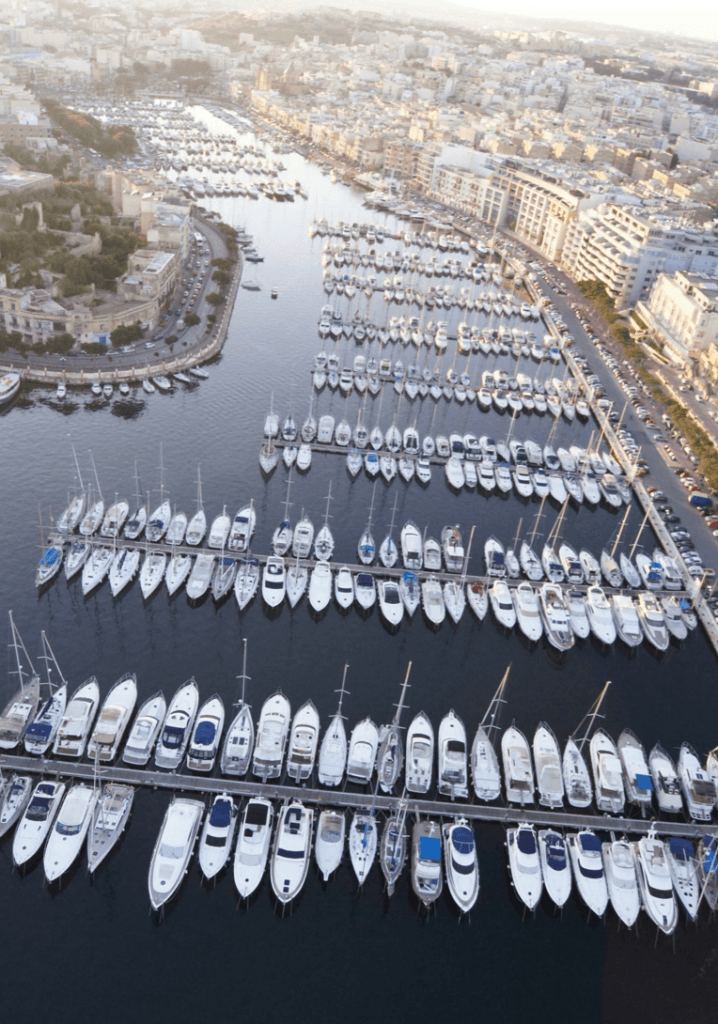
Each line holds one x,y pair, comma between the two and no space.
333,750
282,536
136,523
324,542
388,552
239,741
20,709
109,819
94,511
576,776
485,772
367,548
363,842
197,526
390,756
159,519
394,846
41,731
72,515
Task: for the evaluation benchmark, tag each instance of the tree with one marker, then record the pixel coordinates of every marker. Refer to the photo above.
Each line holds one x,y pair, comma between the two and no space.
221,277
215,299
191,319
126,335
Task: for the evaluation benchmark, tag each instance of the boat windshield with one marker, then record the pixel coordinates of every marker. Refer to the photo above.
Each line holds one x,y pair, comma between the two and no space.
461,869
172,852
68,830
172,736
38,809
290,854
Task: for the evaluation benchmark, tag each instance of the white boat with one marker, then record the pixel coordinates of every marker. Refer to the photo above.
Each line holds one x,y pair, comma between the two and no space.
653,621
158,521
699,790
241,530
675,623
14,798
452,766
518,772
495,558
217,835
41,731
708,868
329,844
272,733
650,572
206,735
452,549
455,475
621,882
114,717
390,602
197,526
577,612
625,616
576,777
344,588
292,850
525,864
246,582
485,772
637,779
547,761
219,530
528,613
36,822
426,873
173,849
77,720
303,743
177,726
250,856
393,847
96,567
363,747
303,538
411,547
684,874
587,863
145,729
68,831
320,586
600,616
555,865
432,555
92,518
654,881
49,564
502,603
555,617
363,841
304,458
333,749
607,774
274,581
177,529
410,592
461,862
666,784
123,569
109,818
419,754
628,569
223,577
432,600
365,590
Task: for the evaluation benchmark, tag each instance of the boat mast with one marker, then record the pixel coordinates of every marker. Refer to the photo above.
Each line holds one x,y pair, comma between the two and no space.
591,715
97,482
400,705
77,467
638,535
537,518
493,708
620,530
18,645
468,555
199,491
329,498
47,657
244,677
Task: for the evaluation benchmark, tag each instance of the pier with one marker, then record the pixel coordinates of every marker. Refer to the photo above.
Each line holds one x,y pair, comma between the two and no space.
211,785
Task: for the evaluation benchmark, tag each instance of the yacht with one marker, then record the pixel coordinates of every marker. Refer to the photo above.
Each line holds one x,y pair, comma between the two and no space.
419,754
123,569
462,865
390,602
238,743
411,547
432,555
547,760
333,753
303,538
607,774
555,617
206,735
708,866
68,832
555,865
625,616
675,622
173,848
96,567
250,856
485,772
452,767
292,850
274,581
518,773
576,606
576,777
303,742
684,874
654,881
36,822
621,882
637,779
77,720
699,791
41,732
393,847
502,603
587,863
145,729
478,598
272,733
365,590
426,873
666,784
363,841
109,818
177,726
49,565
219,530
217,836
158,521
452,549
344,588
525,864
177,529
320,586
599,615
76,558
329,843
14,797
527,610
530,563
363,747
242,529
114,717
246,582
153,572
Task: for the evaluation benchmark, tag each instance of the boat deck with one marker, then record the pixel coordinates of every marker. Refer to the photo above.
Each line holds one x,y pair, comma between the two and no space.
210,785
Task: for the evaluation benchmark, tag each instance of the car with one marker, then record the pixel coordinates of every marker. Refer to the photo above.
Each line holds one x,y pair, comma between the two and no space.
127,348
149,344
672,519
712,524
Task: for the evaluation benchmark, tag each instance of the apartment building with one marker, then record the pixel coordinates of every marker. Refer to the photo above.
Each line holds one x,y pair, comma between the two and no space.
683,311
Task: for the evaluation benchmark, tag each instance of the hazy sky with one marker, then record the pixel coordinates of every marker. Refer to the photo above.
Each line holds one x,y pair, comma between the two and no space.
686,17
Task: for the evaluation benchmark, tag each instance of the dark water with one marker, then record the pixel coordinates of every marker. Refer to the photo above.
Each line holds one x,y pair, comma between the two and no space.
93,950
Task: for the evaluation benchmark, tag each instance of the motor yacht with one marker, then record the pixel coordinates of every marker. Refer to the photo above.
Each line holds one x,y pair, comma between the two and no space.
219,531
410,592
485,773
699,790
587,864
419,754
272,734
547,761
109,819
68,831
390,602
177,726
525,864
684,871
320,586
344,588
607,774
576,777
114,717
555,617
42,730
145,729
452,766
653,621
329,843
411,547
432,555
654,881
577,612
274,581
241,530
303,742
173,848
432,599
637,779
666,784
365,590
292,850
675,623
649,571
494,558
526,606
461,862
74,729
518,772
626,619
217,835
206,735
555,865
621,881
36,822
363,747
502,603
426,873
250,856
600,617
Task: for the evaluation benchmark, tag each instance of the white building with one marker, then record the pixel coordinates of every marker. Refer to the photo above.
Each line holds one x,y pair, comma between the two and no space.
683,311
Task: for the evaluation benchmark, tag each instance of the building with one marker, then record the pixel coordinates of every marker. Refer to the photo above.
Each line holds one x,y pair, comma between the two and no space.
16,181
682,311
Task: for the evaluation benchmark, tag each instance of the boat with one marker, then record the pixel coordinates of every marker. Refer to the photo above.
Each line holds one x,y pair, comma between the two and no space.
699,790
303,538
292,850
518,773
426,873
555,865
153,572
462,865
495,558
252,851
432,555
452,549
683,866
272,733
555,617
547,760
197,526
587,863
391,604
390,753
576,777
96,567
363,746
9,387
675,623
607,774
525,864
114,717
173,849
654,881
109,819
36,822
217,835
274,581
177,726
344,588
528,613
452,767
502,603
219,530
393,847
708,867
419,754
177,529
69,830
628,570
246,582
625,616
363,841
637,779
432,600
365,590
333,749
239,741
411,547
49,564
329,844
123,569
206,734
303,742
620,869
158,522
145,730
653,621
666,784
74,729
650,572
14,797
600,616
241,530
320,586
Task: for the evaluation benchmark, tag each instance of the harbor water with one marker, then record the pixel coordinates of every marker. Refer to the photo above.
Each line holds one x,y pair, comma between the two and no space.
90,947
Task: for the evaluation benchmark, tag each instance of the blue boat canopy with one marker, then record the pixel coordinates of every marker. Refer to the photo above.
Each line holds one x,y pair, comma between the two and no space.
526,841
497,558
429,849
205,733
410,577
365,579
221,814
644,781
590,842
556,853
681,849
463,839
39,730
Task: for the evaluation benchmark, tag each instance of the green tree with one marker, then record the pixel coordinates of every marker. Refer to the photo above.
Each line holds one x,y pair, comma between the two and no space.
191,319
215,299
126,335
